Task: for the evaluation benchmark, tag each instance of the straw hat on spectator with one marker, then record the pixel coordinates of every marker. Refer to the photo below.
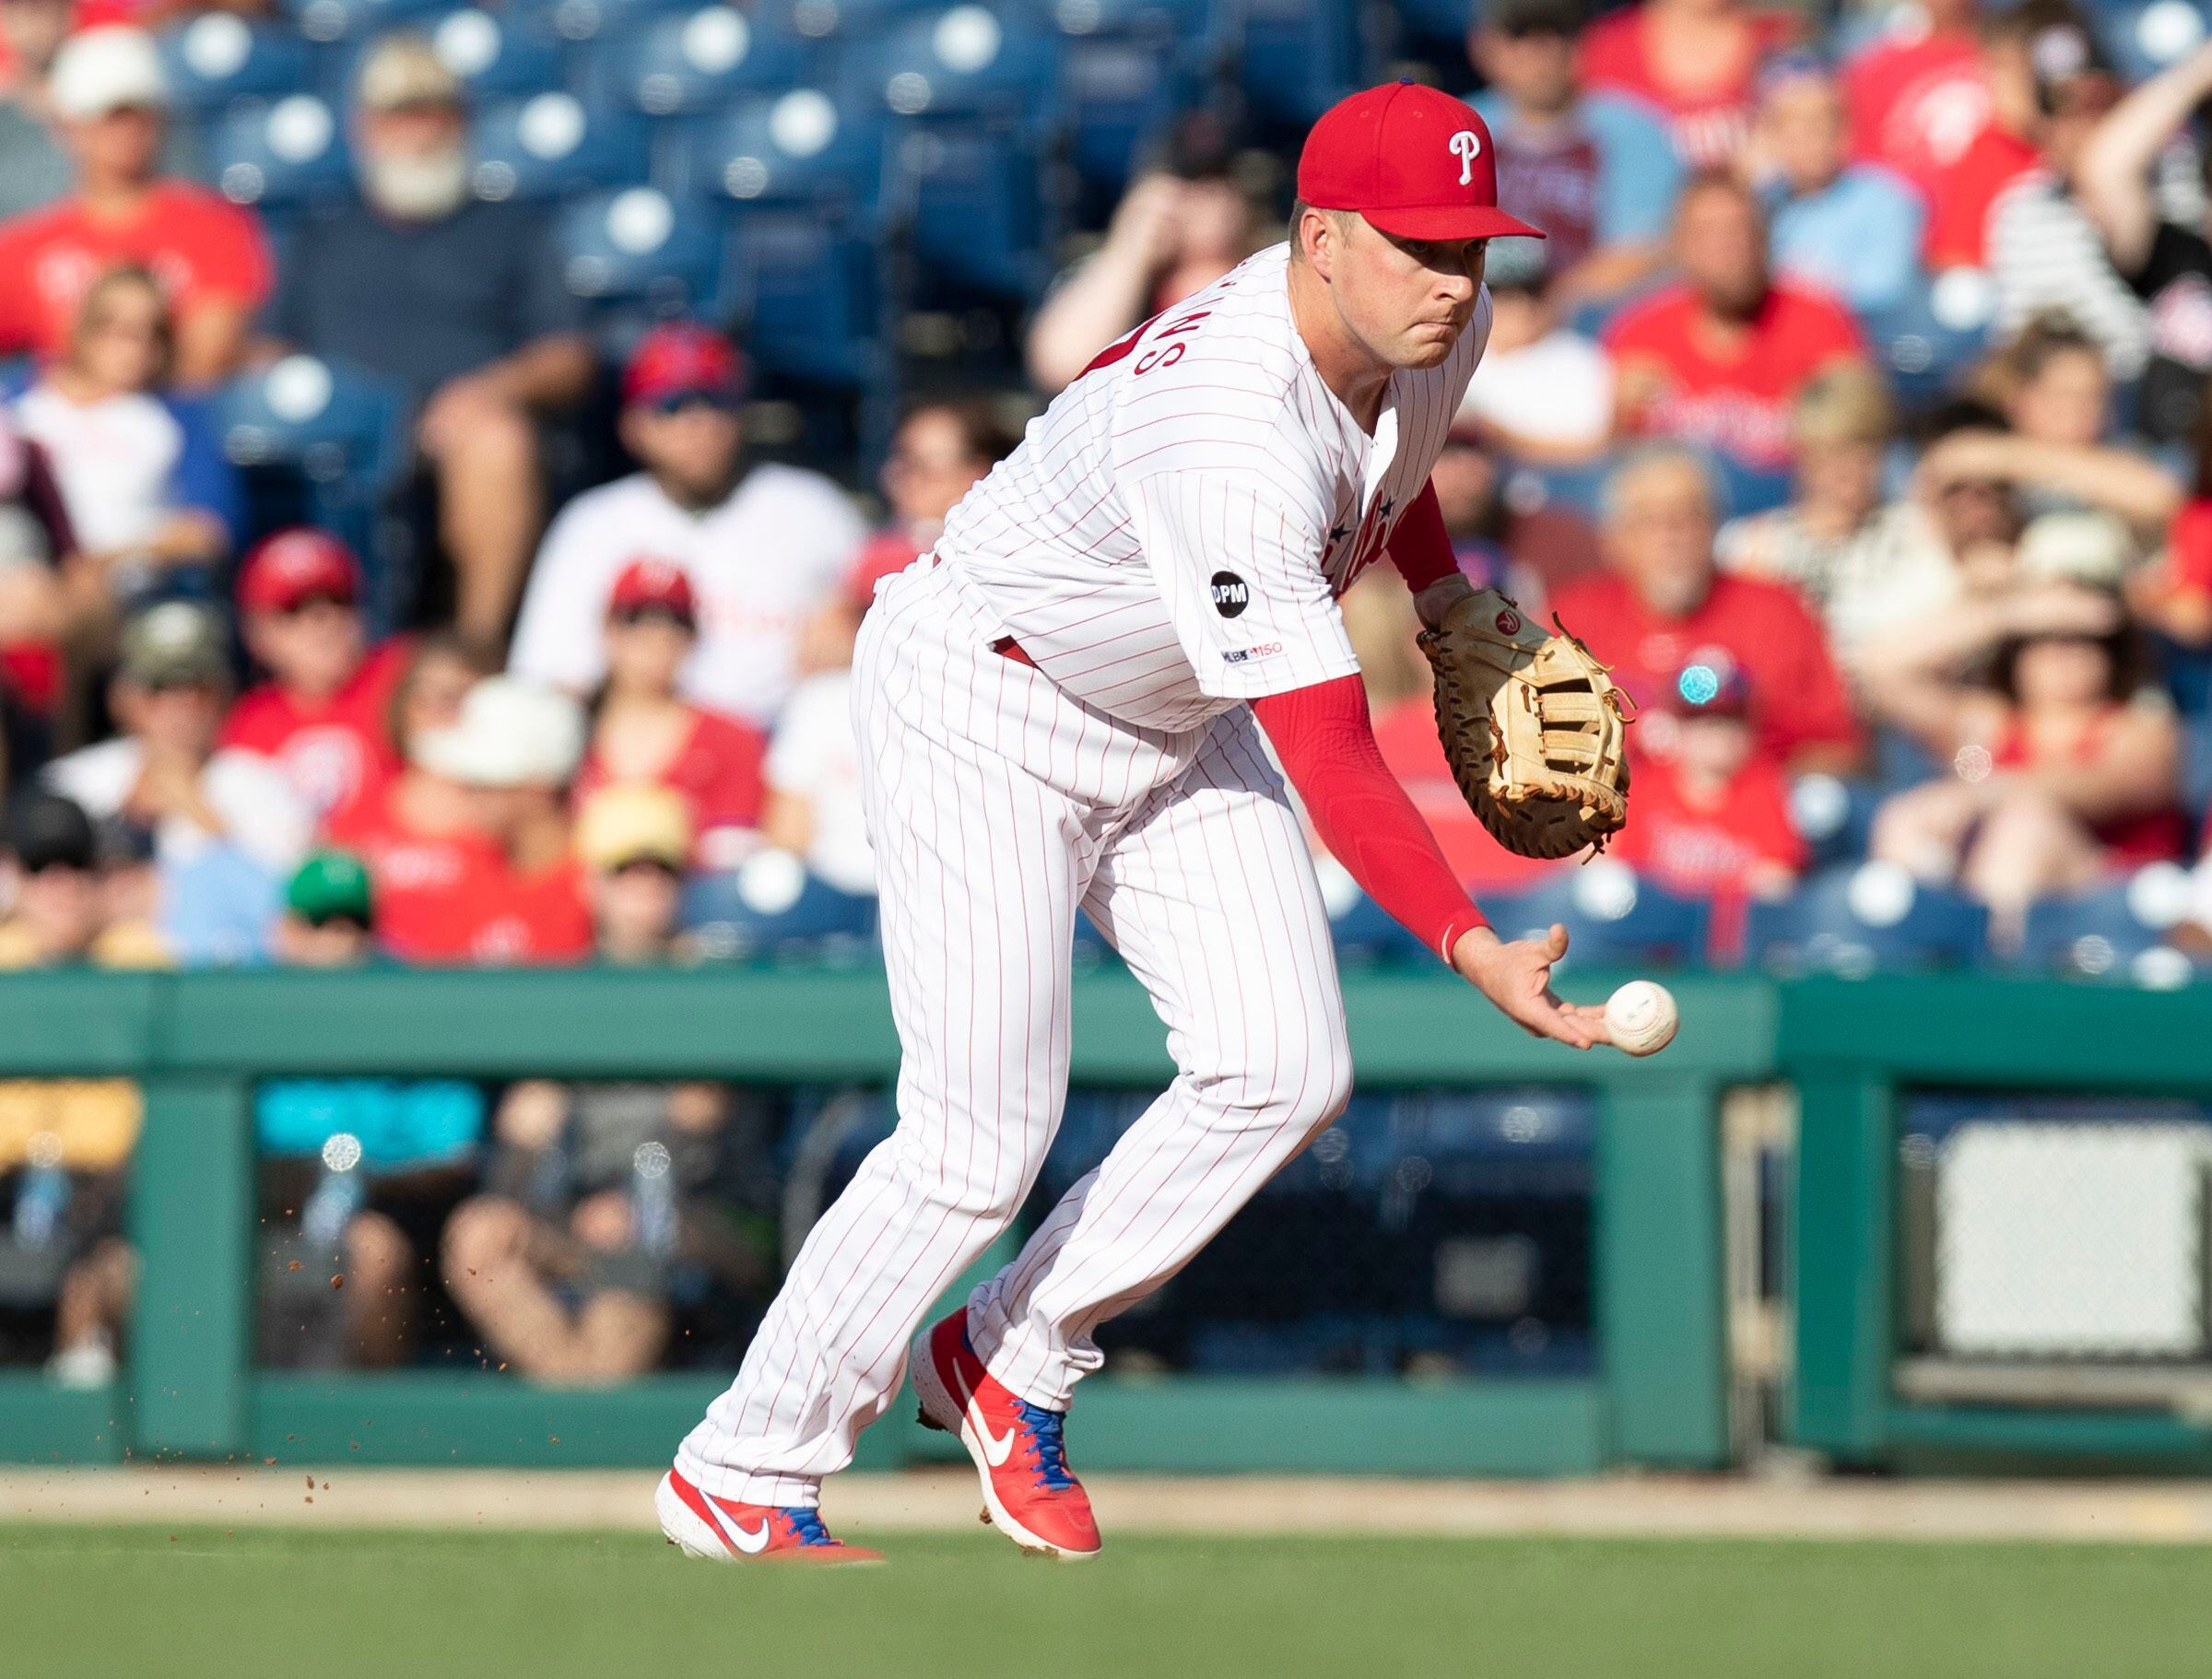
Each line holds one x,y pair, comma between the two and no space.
632,822
405,73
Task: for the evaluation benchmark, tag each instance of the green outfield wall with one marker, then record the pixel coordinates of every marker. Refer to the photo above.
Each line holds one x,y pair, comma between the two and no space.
199,1042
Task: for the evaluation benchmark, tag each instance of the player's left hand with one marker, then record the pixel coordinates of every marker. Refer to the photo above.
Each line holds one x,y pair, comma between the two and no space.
1517,979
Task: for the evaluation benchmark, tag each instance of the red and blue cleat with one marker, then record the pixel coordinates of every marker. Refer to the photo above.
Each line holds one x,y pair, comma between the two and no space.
725,1531
1029,1494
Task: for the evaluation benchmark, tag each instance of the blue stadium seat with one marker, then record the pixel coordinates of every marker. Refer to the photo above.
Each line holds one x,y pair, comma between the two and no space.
552,145
684,63
2116,931
797,151
1612,918
809,291
1436,23
961,60
770,905
1296,58
1833,816
1853,920
1363,932
499,54
2145,37
578,20
219,59
1926,339
1119,95
282,157
324,444
330,20
976,219
637,252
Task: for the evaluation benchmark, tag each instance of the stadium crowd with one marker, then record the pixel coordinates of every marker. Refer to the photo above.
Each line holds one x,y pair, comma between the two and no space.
1853,410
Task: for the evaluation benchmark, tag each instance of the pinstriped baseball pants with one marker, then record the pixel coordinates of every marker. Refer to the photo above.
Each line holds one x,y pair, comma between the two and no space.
997,805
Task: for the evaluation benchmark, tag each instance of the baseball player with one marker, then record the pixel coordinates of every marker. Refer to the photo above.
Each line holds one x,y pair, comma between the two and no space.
1062,707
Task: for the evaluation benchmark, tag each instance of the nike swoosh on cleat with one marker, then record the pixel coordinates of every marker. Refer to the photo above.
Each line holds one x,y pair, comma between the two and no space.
996,1450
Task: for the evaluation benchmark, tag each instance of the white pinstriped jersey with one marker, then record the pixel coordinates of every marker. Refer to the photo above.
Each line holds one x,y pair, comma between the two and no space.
1171,536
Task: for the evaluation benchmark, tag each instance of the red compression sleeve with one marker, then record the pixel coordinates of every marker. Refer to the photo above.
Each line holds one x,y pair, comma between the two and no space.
1420,547
1363,816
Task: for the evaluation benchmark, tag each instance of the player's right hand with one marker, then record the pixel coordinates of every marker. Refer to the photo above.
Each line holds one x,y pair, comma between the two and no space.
1517,977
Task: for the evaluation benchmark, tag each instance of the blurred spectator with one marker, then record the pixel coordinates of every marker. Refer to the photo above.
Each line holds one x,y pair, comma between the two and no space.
2168,266
2174,594
598,1202
149,494
324,716
642,732
942,450
60,910
1662,605
813,770
1961,192
329,918
1712,818
1542,393
1500,540
2057,397
1718,359
2061,768
1178,229
1695,60
34,171
2044,252
1919,94
35,539
468,845
1835,530
635,842
765,546
1853,230
65,1145
165,771
1595,169
460,301
108,101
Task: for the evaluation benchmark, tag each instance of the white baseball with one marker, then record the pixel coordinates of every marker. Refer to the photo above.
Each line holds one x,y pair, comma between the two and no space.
1641,1017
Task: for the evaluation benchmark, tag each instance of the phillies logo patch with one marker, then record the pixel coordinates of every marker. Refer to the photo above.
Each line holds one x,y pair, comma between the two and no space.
1466,146
1509,622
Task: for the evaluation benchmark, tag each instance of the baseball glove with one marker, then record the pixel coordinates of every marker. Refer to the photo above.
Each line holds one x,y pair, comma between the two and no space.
1532,726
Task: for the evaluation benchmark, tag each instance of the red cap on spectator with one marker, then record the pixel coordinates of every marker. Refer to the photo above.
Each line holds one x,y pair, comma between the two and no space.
683,359
649,584
297,565
1413,160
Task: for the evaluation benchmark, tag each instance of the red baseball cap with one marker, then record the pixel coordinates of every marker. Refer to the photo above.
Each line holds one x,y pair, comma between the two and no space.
648,584
297,565
1415,161
683,359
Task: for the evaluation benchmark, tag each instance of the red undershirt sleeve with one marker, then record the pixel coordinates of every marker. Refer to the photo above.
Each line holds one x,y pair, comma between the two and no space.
1420,547
1327,748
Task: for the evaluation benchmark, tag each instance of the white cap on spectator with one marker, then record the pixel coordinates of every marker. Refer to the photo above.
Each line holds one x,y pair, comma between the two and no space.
2082,547
511,733
107,69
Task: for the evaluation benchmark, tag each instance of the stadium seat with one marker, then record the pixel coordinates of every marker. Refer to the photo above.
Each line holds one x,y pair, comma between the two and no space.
637,253
1436,23
2117,932
1119,95
682,63
960,60
2148,36
975,214
1853,920
550,146
1296,58
770,905
796,151
219,59
499,55
330,20
319,443
809,292
583,20
1612,918
1928,338
1833,816
283,156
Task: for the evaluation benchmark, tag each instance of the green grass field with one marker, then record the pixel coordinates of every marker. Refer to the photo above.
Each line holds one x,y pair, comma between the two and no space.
203,1604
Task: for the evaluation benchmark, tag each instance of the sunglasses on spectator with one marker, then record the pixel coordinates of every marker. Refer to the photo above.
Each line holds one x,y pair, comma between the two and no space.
629,616
684,402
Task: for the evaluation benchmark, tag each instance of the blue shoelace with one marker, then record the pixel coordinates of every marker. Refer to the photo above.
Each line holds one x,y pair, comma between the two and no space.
1044,1428
808,1526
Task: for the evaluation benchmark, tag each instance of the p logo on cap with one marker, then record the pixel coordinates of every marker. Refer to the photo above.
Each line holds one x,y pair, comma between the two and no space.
1415,161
